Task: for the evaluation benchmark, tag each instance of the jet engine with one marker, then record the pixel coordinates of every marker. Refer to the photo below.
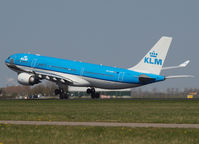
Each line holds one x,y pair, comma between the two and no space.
27,79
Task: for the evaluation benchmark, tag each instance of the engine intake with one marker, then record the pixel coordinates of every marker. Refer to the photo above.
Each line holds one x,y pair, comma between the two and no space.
27,79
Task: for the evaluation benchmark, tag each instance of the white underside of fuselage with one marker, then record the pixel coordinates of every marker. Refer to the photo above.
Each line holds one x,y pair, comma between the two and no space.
81,81
104,84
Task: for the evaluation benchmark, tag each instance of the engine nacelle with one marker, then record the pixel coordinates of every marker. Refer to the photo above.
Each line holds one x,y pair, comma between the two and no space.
27,79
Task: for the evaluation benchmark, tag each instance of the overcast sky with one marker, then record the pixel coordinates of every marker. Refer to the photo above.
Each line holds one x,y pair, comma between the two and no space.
109,32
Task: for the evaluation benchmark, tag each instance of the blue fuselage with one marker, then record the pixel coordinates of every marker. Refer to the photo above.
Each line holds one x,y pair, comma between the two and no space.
81,69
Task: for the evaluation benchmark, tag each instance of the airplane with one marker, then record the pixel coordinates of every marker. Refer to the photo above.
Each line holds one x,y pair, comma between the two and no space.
33,68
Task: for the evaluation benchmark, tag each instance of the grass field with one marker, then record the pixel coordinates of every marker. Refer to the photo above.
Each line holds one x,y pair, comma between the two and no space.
20,134
149,111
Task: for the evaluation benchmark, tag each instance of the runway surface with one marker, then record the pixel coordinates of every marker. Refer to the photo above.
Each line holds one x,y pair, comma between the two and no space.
104,124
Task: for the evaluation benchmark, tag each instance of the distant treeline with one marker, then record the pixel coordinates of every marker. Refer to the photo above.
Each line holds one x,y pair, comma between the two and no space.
47,89
169,93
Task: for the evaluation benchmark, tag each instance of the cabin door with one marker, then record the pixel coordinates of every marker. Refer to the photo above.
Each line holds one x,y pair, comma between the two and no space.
82,71
121,76
34,62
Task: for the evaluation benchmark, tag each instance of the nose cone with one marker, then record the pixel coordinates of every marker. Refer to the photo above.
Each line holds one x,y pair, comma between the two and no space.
7,61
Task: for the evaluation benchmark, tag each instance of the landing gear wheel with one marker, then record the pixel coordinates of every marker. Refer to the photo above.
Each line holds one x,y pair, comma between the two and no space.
94,95
63,96
97,95
88,91
57,91
61,92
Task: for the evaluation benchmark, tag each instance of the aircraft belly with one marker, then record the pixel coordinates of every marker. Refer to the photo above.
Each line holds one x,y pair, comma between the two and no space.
109,84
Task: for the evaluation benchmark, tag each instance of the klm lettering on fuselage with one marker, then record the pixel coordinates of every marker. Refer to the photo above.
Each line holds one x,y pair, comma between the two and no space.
153,59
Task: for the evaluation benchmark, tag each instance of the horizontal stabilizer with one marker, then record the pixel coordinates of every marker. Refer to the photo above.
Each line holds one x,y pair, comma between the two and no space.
179,76
184,64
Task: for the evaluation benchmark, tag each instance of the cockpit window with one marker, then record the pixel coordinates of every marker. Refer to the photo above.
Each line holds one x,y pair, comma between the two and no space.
12,61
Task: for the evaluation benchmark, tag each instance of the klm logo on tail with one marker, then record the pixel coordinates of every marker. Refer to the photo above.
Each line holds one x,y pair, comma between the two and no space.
153,59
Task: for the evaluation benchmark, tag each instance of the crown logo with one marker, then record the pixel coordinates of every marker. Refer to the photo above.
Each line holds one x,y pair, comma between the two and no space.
153,54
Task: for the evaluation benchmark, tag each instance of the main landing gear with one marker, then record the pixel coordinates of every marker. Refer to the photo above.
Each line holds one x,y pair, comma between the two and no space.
93,93
61,92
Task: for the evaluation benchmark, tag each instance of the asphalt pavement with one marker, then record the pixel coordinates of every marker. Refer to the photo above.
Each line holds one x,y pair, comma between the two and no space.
103,124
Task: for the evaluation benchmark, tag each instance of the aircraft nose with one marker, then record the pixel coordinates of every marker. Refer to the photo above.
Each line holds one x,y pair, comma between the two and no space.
7,60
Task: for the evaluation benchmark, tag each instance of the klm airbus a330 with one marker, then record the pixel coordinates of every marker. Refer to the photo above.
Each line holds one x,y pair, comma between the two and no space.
31,69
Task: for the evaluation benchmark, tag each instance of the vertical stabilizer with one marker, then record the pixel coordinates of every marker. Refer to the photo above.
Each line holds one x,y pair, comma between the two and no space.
154,59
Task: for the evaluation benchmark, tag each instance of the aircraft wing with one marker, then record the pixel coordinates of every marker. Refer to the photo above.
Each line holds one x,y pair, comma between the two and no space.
52,77
61,77
56,77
